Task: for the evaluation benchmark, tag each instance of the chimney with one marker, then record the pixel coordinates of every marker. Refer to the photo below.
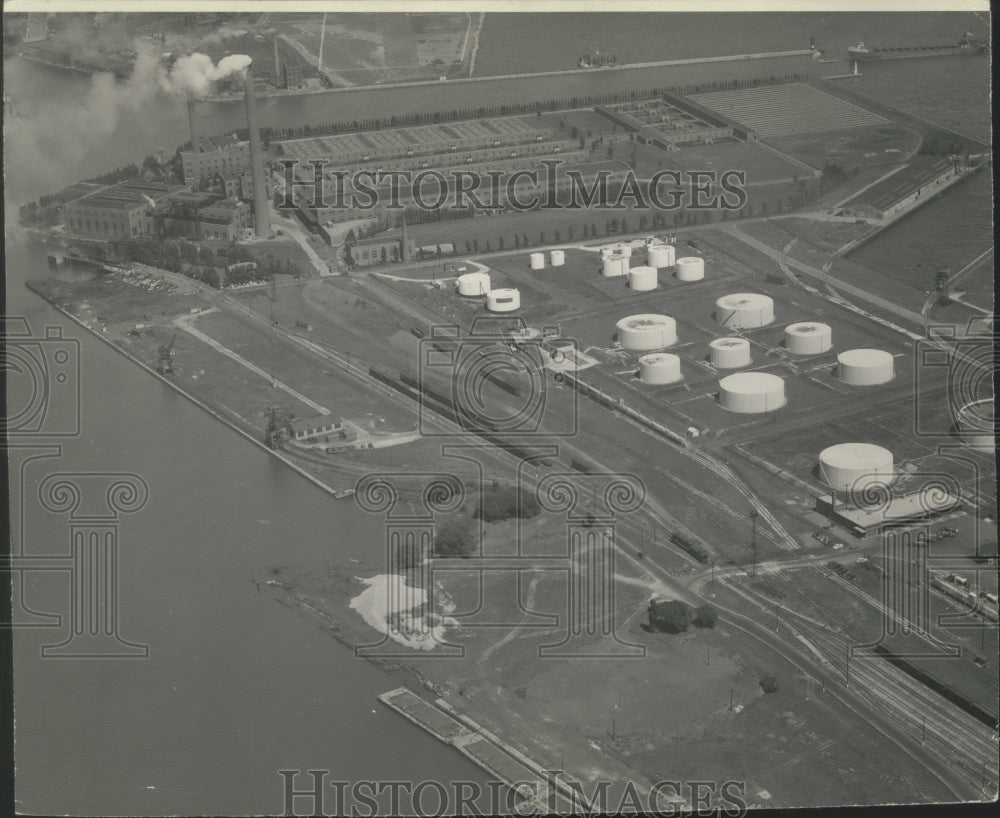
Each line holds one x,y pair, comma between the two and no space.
404,250
195,136
261,217
277,64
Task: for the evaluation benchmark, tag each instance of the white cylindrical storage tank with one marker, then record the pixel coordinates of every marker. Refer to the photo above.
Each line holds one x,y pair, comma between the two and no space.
644,333
659,368
808,338
537,261
503,300
690,268
474,284
557,257
853,468
751,392
729,353
615,265
643,278
660,255
744,310
865,367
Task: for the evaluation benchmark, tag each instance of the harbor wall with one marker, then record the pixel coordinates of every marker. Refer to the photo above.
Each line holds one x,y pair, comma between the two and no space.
357,104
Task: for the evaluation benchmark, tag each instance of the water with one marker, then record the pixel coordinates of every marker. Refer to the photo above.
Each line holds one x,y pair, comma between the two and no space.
237,686
511,43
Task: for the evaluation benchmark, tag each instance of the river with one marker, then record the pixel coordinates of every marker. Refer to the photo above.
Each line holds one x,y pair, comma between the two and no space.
236,686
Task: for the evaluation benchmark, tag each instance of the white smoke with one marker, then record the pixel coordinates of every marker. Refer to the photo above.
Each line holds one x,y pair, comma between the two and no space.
193,74
152,203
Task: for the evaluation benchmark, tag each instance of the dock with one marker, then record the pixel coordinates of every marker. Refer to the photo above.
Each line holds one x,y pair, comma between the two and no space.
482,747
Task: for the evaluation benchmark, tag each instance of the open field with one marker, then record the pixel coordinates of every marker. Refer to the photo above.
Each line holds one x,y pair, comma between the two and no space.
869,146
594,717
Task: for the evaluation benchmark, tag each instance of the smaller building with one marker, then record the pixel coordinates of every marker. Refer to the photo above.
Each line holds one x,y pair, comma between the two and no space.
321,426
291,73
117,212
394,245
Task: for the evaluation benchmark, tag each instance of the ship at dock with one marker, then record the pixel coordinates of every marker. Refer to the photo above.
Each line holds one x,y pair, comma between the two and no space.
967,45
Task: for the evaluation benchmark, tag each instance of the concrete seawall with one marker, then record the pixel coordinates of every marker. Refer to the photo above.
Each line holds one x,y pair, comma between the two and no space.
358,104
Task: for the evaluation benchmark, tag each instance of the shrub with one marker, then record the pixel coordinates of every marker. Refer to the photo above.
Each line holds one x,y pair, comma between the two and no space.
455,538
672,616
769,683
705,616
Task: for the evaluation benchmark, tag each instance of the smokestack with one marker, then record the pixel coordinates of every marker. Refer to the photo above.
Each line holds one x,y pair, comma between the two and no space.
261,217
404,250
195,136
277,65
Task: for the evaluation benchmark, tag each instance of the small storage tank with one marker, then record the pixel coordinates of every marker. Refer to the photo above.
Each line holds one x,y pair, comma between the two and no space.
660,255
855,467
645,333
659,368
625,248
690,268
642,279
557,257
474,284
751,392
729,353
865,367
615,265
537,261
744,310
808,338
503,300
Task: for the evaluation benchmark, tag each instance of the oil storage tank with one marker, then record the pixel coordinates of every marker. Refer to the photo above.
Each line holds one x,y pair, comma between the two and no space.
614,264
645,333
865,367
473,284
690,268
729,353
808,338
503,300
744,310
854,467
537,261
751,392
660,255
659,368
975,423
557,257
642,279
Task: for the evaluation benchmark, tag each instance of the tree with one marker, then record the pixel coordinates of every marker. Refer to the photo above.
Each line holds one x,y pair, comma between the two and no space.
769,683
705,616
455,538
503,502
672,616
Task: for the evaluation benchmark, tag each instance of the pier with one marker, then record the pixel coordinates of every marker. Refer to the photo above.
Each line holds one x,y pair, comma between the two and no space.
482,747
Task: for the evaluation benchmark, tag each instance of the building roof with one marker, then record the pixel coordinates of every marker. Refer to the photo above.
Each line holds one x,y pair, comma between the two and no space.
129,195
312,424
211,144
885,194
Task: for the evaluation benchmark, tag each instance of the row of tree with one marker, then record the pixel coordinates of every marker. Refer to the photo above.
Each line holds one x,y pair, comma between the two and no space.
675,615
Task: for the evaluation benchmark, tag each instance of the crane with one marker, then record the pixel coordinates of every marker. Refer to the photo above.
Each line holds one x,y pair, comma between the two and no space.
166,364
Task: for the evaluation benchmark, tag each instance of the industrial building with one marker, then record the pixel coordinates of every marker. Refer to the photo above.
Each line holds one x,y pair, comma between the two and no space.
901,190
201,216
117,212
394,245
224,156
